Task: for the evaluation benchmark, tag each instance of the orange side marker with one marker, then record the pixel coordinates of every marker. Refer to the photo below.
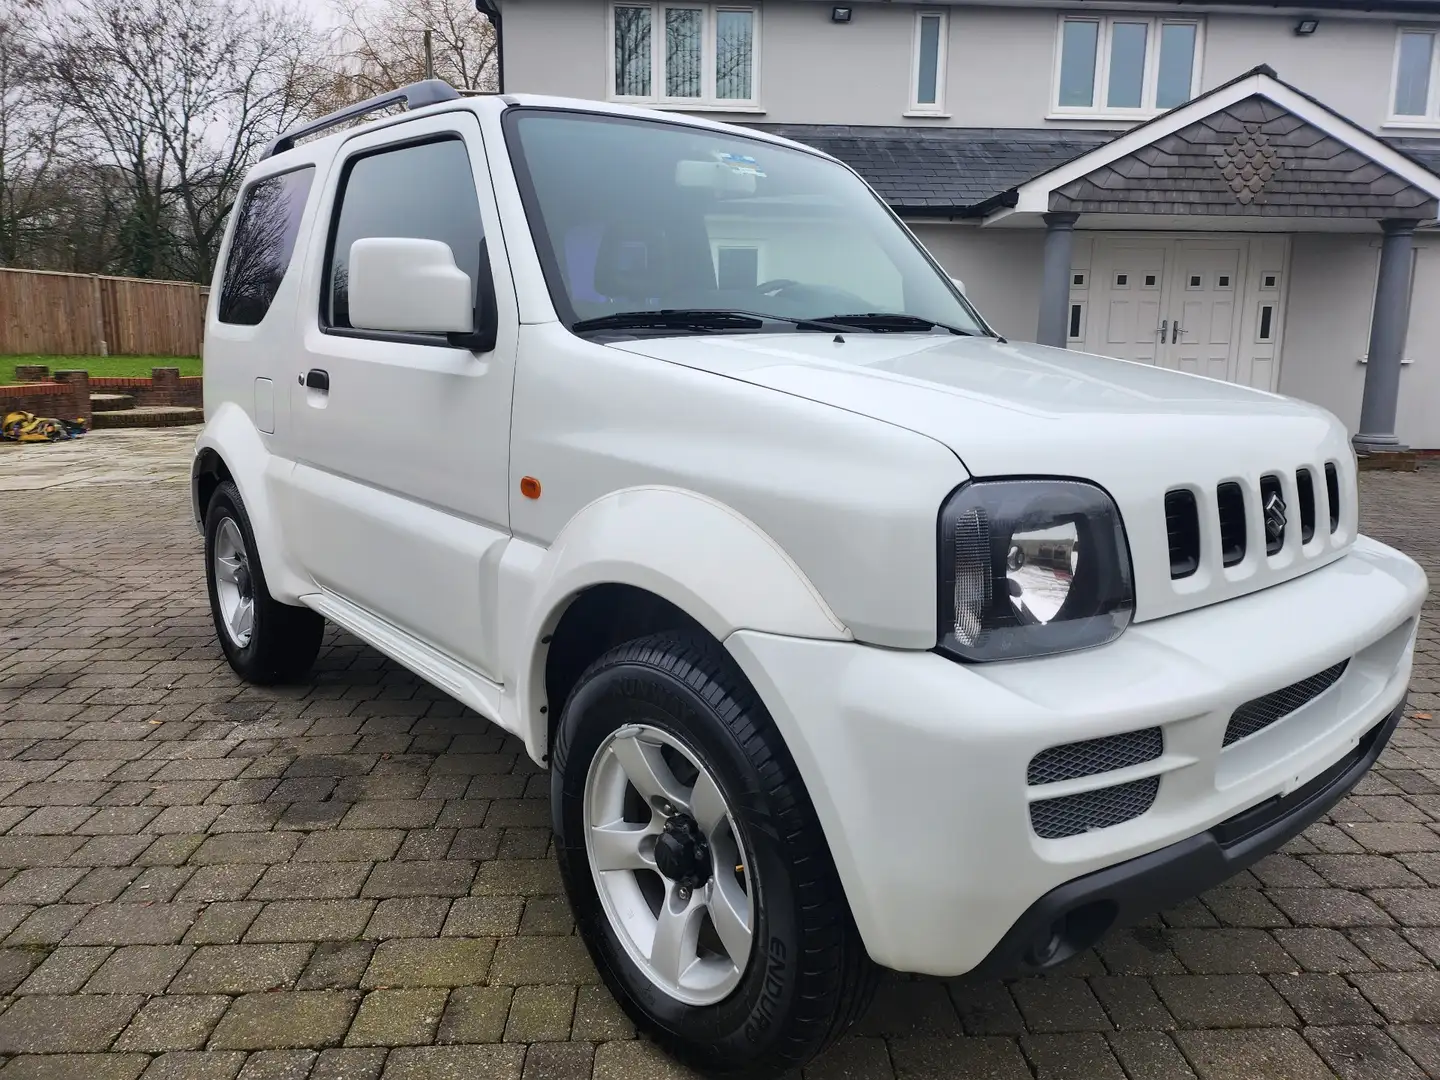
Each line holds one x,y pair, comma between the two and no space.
530,487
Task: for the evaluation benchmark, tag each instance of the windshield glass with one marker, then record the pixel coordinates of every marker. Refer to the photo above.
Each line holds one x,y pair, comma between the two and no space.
640,216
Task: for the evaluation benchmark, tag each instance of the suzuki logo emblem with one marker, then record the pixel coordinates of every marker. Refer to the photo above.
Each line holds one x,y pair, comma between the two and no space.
1275,517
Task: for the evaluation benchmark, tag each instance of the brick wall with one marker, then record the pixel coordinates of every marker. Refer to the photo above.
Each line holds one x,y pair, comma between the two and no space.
66,397
166,386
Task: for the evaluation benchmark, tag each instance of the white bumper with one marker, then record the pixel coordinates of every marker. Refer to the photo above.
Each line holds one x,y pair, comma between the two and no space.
917,764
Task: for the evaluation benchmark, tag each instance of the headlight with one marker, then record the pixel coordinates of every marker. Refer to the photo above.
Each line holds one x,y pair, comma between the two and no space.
1031,568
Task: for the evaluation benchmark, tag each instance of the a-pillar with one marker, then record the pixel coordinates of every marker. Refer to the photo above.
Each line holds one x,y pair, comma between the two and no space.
1055,280
1388,324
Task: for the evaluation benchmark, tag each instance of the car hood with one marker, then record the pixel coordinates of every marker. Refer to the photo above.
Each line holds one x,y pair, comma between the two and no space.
1018,409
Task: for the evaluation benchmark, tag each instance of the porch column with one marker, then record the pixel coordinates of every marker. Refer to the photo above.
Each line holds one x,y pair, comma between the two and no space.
1388,325
1055,280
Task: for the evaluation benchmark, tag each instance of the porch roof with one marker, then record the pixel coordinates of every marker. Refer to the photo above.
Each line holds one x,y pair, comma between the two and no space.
975,172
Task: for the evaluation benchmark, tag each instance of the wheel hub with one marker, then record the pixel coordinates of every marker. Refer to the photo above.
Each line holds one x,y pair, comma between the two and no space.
682,853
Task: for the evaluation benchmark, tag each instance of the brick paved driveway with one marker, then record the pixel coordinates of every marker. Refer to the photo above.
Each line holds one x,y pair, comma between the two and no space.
351,879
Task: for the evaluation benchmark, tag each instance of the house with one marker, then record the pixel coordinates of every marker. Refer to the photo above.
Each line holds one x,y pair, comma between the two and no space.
1239,189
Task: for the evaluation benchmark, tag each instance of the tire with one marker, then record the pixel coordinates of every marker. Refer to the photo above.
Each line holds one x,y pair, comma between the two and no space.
806,976
279,642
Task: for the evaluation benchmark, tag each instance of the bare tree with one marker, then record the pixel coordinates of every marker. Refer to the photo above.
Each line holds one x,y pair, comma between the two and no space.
172,100
383,46
31,140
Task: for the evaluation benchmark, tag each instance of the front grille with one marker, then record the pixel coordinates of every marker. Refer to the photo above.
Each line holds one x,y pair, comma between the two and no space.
1259,713
1095,756
1182,527
1071,815
1231,504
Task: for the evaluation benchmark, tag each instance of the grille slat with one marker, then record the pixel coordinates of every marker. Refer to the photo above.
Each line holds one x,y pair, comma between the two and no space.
1305,484
1259,713
1182,527
1332,489
1071,815
1095,756
1230,501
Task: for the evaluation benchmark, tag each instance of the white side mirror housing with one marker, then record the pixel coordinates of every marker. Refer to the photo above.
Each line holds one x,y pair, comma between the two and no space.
958,284
409,285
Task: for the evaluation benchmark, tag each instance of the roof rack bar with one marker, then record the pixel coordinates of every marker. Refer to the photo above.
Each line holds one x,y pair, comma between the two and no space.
415,96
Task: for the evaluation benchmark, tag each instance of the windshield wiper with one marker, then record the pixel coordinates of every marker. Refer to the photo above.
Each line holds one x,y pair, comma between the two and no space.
882,321
700,319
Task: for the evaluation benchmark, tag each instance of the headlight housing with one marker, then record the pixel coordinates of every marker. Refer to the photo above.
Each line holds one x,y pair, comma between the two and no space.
1031,568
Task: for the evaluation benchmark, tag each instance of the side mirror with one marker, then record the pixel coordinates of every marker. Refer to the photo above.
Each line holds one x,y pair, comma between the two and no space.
408,285
958,284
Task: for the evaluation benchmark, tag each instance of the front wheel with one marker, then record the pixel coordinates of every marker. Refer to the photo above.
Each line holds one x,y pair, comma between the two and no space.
264,640
695,865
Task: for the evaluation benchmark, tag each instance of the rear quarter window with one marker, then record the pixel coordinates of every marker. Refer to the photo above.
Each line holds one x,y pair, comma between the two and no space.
265,234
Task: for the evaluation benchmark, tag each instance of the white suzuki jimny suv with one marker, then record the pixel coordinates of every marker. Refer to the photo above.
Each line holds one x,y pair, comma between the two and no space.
853,635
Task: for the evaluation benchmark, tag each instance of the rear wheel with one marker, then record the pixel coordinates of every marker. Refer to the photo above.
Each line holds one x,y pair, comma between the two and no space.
696,868
264,640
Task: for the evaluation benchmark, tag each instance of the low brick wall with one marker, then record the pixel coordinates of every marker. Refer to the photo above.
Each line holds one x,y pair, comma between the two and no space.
65,397
165,387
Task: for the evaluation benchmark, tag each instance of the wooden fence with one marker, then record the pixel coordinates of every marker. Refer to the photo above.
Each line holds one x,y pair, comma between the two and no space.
89,315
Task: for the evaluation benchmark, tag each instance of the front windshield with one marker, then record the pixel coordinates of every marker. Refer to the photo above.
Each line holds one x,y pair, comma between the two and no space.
645,216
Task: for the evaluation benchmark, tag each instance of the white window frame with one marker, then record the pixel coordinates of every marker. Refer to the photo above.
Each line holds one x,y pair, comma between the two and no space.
1431,119
707,101
1101,90
937,107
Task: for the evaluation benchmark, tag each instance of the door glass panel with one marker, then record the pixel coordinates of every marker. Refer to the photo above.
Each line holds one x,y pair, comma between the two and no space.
682,52
926,92
1077,62
1177,65
1412,79
734,55
632,52
425,191
1127,65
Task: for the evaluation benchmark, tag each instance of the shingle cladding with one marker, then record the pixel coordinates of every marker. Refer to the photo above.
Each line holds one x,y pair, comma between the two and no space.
955,171
1252,159
943,169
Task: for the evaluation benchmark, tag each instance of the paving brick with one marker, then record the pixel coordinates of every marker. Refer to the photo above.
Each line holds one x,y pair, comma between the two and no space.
76,1067
1389,838
64,971
311,920
350,846
540,960
1228,1001
1363,871
173,1023
65,1025
393,814
298,1019
195,1065
1410,907
423,962
409,917
1056,1003
1387,948
457,1063
211,883
48,925
40,885
597,1017
336,965
1275,1054
484,916
1077,1056
240,969
1362,1053
517,877
311,881
134,924
574,1061
1404,997
349,1064
222,923
139,969
922,1059
1329,907
1421,1042
541,1014
441,878
1324,999
1138,951
1229,951
1243,908
398,1018
477,1014
246,848
1131,1003
1149,1055
278,1065
547,915
1323,950
16,965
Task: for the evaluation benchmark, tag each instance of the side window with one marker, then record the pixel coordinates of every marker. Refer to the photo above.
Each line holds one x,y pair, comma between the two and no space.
424,191
265,232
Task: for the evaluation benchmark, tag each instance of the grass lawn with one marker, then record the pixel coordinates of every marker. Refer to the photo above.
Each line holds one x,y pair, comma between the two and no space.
102,366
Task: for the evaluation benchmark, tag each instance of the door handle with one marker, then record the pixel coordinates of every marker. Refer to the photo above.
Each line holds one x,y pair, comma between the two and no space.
1175,331
317,379
1164,329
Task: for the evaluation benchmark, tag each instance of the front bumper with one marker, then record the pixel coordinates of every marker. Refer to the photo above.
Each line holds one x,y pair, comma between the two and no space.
917,765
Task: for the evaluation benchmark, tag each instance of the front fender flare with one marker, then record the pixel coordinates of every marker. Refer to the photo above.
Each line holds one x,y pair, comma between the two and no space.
230,433
704,557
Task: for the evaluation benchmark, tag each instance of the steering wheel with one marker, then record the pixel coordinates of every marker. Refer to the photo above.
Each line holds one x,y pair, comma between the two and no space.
775,286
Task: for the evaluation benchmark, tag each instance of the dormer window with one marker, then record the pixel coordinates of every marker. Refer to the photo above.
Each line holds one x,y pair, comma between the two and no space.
702,56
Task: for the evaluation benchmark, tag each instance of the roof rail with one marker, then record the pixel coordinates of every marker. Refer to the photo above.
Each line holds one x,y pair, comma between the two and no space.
415,96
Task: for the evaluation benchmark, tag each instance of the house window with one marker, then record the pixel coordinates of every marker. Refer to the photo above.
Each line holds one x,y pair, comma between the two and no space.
1125,66
699,55
927,79
1416,97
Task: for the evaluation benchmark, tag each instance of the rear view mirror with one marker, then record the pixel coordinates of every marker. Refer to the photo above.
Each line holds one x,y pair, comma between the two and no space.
724,174
409,285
